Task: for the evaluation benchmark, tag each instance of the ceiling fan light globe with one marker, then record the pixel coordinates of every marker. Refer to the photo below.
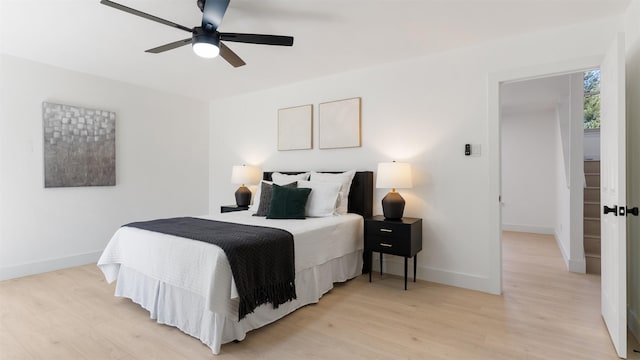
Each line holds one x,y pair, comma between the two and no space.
205,44
206,50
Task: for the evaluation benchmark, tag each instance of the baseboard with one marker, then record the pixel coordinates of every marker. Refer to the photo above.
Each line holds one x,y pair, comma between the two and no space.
633,322
395,266
573,265
39,267
578,266
529,229
565,256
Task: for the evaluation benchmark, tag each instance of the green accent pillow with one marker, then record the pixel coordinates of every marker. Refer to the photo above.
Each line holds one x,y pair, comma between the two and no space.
266,192
288,203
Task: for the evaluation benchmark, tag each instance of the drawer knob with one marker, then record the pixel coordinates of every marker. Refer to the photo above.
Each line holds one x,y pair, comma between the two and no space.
386,230
386,245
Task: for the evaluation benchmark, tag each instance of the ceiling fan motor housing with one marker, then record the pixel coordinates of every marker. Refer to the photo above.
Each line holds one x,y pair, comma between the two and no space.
203,43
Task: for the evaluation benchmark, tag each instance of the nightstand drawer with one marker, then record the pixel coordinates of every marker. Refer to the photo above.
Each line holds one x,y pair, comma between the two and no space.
388,244
387,229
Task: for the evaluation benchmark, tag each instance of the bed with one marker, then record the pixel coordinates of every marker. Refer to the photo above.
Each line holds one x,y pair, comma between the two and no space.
189,284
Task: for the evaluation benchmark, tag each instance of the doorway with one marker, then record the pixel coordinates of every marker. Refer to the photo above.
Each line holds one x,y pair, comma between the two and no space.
535,155
542,165
613,279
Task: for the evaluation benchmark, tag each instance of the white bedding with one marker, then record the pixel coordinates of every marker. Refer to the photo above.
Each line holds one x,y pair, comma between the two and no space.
188,283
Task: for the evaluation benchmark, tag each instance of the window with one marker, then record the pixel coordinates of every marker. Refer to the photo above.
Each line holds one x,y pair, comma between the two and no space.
592,99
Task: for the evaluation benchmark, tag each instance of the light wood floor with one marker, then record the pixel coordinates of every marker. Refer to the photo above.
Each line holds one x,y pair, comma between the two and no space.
545,313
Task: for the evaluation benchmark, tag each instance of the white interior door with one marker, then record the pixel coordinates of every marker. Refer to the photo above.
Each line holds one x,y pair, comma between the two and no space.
613,195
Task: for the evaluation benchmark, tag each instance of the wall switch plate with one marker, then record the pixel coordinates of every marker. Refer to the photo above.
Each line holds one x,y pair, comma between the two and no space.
476,150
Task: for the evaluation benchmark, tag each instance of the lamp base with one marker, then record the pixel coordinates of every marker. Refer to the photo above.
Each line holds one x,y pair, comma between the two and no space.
393,206
243,196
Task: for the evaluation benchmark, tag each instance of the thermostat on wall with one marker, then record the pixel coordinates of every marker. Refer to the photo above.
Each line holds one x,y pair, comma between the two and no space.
472,150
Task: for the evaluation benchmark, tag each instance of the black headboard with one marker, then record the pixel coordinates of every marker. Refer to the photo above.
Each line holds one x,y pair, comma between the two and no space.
360,195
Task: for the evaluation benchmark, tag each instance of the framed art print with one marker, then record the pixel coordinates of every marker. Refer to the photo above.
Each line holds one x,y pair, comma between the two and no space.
295,128
339,124
79,146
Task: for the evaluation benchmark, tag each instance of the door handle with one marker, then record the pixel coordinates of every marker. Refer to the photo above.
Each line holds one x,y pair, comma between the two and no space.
613,210
622,210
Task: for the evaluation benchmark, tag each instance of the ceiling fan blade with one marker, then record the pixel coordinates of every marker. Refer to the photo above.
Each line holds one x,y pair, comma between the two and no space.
231,57
258,39
212,13
144,15
169,46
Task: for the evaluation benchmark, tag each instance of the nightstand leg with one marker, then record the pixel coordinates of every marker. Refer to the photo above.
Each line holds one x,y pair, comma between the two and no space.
370,255
405,272
415,262
380,264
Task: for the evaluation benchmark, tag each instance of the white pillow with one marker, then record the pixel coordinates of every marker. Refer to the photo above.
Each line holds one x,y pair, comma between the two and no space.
283,179
323,198
256,196
345,179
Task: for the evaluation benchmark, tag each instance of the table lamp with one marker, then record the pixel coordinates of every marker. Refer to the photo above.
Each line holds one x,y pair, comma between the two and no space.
393,175
242,174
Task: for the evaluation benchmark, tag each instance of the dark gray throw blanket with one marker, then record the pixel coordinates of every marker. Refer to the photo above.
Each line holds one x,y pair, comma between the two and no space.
261,258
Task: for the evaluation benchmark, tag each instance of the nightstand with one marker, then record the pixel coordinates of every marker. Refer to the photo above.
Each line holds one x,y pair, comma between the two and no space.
230,208
401,237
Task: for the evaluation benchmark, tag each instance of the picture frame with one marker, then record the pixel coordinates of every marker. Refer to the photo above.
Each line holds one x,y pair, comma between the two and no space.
79,146
295,128
340,124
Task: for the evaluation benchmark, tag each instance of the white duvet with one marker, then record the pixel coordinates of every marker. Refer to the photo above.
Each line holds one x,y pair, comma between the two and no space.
202,269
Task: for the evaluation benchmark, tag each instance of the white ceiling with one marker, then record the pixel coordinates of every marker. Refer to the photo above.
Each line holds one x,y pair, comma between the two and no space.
331,36
534,95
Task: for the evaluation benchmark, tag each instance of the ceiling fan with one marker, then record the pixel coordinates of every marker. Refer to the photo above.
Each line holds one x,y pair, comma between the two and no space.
205,39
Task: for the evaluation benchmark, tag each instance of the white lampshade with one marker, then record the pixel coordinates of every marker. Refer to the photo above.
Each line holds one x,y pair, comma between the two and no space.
394,175
243,174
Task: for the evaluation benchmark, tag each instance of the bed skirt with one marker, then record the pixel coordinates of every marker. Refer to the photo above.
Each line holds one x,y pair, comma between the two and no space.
175,306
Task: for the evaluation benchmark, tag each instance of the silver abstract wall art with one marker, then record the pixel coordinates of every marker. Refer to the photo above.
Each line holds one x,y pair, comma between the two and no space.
79,146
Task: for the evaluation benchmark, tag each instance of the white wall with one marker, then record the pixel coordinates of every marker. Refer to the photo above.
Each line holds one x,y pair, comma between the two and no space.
632,29
570,183
422,111
161,166
529,152
563,194
592,144
577,262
